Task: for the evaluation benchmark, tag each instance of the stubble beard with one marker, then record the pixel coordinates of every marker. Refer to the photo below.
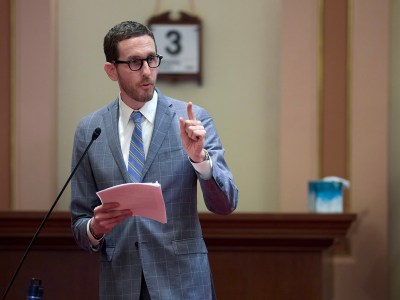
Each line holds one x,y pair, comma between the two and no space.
138,95
143,98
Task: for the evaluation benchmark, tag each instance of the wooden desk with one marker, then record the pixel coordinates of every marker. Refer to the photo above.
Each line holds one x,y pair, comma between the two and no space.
253,256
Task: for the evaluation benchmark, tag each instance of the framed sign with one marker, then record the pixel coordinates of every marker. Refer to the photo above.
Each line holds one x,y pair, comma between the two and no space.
179,42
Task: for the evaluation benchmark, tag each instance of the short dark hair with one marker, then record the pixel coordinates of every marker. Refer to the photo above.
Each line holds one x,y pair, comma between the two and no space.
122,31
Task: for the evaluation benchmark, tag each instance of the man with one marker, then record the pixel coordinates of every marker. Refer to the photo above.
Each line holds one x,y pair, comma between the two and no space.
142,258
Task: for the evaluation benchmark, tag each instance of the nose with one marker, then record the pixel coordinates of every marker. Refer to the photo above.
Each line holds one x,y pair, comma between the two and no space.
145,67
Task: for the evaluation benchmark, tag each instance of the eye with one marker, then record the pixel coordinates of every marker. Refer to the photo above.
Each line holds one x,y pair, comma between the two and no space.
135,61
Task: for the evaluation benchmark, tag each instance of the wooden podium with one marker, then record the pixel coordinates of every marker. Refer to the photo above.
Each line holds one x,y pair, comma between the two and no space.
253,256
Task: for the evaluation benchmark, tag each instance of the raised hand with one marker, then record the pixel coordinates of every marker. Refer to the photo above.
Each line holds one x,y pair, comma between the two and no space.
192,135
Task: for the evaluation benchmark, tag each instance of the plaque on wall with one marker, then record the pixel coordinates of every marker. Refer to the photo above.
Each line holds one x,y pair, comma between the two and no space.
179,42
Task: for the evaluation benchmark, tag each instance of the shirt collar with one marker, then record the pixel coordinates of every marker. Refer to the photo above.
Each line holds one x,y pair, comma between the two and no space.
148,110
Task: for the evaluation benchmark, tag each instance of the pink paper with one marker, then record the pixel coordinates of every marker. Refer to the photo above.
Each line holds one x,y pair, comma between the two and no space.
143,199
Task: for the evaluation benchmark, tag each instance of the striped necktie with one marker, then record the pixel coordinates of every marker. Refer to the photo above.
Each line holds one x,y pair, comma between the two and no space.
136,150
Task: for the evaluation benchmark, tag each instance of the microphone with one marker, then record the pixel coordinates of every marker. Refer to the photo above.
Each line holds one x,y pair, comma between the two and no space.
95,135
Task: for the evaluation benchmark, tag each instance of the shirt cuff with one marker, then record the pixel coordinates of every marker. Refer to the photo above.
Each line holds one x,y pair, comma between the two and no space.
95,242
204,168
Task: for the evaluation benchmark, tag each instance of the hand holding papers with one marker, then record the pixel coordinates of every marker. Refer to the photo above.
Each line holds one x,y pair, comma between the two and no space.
143,199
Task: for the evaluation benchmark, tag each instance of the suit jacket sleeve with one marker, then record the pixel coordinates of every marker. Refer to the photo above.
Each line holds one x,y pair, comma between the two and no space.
83,187
220,192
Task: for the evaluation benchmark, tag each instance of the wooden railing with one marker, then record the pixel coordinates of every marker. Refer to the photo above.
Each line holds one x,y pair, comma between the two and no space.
252,256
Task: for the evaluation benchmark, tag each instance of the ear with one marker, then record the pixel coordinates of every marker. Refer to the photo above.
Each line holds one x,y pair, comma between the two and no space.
111,71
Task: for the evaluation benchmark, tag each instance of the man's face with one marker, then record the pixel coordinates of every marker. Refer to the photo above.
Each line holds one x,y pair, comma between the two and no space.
137,87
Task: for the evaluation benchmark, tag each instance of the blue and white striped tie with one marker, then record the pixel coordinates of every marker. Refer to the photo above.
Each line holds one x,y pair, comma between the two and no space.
136,150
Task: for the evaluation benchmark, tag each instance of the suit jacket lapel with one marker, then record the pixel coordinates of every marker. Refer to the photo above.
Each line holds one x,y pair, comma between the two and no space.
111,129
163,120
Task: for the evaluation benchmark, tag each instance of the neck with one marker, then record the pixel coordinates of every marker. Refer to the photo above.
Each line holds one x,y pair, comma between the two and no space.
135,105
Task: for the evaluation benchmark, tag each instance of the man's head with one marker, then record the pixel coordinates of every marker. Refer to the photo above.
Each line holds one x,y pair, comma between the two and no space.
132,61
120,32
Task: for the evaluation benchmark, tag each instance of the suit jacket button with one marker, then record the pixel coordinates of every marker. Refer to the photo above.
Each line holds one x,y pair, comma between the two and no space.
136,244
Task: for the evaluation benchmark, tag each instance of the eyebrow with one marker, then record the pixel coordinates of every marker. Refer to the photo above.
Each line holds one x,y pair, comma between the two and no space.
139,57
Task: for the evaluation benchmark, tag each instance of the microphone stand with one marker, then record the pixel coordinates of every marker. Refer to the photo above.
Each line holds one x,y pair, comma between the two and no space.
95,135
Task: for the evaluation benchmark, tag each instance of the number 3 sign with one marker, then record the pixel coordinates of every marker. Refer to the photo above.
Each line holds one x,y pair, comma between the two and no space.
179,42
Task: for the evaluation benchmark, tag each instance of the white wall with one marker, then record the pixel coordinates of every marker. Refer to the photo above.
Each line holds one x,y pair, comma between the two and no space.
241,49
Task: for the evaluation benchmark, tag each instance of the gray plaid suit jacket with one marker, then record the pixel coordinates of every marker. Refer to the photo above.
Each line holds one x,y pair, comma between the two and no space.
172,256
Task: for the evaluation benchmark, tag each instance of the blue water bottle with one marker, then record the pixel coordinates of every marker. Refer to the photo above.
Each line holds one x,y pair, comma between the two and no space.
35,291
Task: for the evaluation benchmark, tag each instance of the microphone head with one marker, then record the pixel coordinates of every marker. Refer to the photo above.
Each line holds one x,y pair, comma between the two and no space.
96,133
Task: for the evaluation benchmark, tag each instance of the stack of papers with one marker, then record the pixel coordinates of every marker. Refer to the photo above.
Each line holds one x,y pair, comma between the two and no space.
143,199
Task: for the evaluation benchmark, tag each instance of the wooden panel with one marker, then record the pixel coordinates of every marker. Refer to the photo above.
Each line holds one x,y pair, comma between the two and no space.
5,103
65,274
276,275
334,107
253,256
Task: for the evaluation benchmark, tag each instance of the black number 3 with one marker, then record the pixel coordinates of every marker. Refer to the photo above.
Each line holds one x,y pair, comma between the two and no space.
175,38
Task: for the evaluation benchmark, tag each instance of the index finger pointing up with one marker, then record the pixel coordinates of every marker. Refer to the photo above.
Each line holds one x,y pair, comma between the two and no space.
190,111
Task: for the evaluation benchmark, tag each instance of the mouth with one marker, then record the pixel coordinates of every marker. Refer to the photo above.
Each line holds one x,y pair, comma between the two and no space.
147,84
